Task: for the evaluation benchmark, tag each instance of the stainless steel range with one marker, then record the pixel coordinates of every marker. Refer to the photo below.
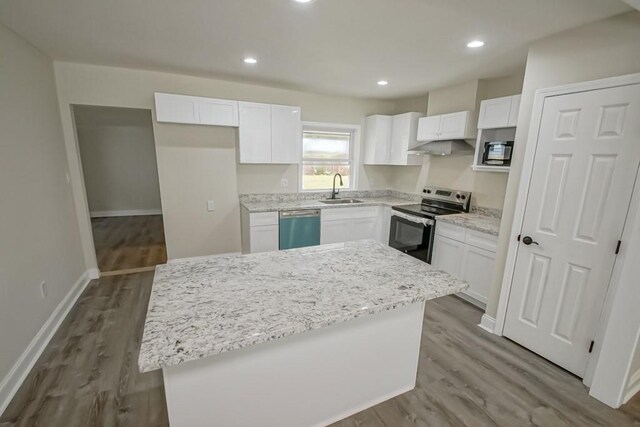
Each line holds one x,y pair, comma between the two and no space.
413,226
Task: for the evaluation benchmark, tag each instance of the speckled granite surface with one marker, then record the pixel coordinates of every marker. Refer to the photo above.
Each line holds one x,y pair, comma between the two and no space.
219,304
293,201
473,221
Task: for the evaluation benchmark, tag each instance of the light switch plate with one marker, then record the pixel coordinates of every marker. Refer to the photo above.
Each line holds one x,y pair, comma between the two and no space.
211,206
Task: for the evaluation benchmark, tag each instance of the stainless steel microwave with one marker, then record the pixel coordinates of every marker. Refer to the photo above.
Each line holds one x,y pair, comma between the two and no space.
497,153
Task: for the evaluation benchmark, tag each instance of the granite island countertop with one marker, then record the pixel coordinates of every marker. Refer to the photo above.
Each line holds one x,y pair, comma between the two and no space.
273,206
481,222
217,304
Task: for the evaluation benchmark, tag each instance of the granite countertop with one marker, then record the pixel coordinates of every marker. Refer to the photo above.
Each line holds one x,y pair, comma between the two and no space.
271,206
218,304
477,221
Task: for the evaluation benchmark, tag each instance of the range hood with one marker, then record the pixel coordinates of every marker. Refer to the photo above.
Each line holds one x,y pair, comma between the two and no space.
443,148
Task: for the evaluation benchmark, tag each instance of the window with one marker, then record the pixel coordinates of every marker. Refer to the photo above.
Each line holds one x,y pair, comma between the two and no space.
325,153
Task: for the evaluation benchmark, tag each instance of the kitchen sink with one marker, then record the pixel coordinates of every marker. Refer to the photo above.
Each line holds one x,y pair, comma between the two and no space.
340,201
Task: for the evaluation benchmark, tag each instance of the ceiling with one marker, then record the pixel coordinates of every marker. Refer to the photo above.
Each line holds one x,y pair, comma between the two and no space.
329,46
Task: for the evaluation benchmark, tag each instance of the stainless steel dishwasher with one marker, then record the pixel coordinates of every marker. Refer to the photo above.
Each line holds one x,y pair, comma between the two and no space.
299,228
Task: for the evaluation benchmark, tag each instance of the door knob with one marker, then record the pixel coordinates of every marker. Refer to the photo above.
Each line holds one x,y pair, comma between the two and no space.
527,240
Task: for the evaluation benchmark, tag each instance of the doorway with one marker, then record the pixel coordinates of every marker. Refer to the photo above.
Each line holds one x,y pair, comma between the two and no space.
118,156
578,194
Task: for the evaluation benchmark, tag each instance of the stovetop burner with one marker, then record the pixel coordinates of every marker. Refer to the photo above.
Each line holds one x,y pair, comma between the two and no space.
438,201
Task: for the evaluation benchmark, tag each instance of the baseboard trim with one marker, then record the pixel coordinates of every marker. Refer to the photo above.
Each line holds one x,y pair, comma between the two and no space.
16,376
132,212
633,387
488,323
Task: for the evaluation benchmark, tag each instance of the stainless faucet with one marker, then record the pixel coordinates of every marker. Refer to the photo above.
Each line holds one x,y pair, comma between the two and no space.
334,193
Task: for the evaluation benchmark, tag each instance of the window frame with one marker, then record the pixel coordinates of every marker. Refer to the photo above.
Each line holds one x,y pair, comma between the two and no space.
354,151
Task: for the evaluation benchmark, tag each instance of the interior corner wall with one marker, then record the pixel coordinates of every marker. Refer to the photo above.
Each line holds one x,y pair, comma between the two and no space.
120,169
39,237
199,163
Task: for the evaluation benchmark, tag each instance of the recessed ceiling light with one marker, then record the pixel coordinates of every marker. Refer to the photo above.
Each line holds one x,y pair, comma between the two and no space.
250,60
383,83
475,43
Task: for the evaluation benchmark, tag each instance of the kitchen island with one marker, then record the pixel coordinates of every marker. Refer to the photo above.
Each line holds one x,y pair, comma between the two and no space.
298,337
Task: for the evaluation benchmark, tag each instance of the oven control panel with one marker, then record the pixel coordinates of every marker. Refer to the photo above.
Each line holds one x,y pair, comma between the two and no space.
446,195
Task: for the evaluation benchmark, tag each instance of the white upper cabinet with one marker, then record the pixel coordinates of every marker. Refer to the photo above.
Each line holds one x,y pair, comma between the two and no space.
499,112
255,132
446,126
377,139
269,133
515,110
218,112
196,110
177,108
388,138
286,134
429,128
404,132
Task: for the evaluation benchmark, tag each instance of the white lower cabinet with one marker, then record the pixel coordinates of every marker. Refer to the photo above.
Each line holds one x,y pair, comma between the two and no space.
259,231
468,255
347,224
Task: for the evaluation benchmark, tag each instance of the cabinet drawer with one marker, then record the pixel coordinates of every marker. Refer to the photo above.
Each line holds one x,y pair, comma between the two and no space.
349,213
451,231
263,218
480,240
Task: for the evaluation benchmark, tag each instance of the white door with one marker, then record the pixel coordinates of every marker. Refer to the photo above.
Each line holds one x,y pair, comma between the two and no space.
264,238
477,269
254,133
363,228
587,156
429,128
334,231
447,254
377,139
286,134
454,125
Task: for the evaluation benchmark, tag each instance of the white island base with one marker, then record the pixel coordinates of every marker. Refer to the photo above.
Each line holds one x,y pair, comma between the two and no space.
312,378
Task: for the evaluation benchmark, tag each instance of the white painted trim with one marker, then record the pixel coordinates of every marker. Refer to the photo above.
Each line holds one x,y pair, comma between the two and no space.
356,131
131,212
93,273
633,387
527,168
16,376
487,323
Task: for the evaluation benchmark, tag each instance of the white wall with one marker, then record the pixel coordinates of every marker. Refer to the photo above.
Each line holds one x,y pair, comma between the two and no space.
120,168
39,238
197,163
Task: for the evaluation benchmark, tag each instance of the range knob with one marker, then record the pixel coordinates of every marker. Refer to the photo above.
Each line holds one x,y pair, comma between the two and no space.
428,191
458,196
463,197
424,190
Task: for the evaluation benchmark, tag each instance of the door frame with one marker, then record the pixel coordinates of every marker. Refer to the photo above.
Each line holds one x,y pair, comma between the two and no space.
523,193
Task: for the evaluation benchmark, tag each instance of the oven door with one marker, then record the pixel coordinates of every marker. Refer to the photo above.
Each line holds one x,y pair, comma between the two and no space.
413,237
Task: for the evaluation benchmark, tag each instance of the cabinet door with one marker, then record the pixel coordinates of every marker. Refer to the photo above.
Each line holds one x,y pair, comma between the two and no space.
334,231
176,108
447,255
377,139
477,270
454,125
494,113
363,228
254,133
218,112
286,134
515,110
264,238
429,128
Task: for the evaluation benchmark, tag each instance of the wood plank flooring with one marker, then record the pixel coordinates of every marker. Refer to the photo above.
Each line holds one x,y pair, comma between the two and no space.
88,374
129,242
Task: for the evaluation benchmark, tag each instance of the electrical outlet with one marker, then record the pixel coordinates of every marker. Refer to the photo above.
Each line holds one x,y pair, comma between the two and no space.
211,206
284,182
43,289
